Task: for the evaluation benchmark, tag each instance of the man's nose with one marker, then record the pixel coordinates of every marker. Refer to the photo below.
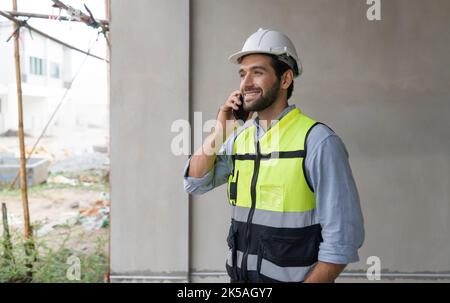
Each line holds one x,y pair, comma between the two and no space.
246,81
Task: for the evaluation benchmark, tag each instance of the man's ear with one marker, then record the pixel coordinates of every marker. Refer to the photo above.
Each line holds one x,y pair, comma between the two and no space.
287,79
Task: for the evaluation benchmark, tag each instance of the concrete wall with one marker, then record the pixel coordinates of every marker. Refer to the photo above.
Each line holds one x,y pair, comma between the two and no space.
383,86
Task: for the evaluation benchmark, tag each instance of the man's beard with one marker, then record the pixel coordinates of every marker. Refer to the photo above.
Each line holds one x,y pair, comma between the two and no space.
265,100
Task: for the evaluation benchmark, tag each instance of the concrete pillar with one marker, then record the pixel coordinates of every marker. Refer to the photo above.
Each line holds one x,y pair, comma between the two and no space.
149,90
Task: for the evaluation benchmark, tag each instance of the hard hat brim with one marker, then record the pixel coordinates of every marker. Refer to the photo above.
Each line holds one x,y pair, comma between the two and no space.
234,58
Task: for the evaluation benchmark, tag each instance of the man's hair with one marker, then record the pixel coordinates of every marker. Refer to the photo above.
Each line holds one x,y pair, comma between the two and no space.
280,68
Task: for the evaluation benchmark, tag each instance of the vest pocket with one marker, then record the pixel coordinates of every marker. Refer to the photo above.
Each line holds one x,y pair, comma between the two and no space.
232,255
288,258
271,196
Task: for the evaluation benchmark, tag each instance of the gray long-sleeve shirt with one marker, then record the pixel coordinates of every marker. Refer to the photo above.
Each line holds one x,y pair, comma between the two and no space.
328,171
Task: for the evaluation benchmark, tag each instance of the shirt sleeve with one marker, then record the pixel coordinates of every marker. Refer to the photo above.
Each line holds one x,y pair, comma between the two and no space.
337,199
218,175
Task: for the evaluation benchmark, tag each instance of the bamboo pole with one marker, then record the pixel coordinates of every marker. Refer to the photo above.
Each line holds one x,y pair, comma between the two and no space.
88,19
29,244
50,17
23,172
7,244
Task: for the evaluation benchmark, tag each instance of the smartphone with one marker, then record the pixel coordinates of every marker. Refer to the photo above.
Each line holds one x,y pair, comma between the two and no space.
241,114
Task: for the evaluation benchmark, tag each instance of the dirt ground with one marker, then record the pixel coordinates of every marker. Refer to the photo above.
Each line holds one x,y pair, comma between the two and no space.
72,207
54,213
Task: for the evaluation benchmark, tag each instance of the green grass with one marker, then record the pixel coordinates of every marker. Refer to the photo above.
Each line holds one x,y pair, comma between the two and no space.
50,265
50,259
36,189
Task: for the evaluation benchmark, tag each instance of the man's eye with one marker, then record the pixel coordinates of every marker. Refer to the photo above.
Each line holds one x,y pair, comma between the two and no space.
258,72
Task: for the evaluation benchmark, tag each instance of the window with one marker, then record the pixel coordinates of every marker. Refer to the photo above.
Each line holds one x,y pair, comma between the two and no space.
54,70
37,66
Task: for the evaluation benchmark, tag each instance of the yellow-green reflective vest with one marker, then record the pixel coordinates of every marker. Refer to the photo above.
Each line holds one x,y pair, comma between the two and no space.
274,234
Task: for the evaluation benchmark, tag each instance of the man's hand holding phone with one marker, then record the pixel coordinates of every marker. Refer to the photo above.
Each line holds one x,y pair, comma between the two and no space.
230,112
234,102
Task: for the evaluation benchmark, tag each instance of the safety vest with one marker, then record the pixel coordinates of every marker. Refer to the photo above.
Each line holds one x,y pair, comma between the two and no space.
274,234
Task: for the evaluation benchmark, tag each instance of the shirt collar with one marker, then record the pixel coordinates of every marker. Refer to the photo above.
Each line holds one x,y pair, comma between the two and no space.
286,111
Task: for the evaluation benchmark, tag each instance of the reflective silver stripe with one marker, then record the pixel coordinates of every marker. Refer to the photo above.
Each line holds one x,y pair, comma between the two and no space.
239,213
271,270
285,274
230,258
275,218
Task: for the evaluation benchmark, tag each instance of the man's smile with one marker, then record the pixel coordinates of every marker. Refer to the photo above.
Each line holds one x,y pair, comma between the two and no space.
252,94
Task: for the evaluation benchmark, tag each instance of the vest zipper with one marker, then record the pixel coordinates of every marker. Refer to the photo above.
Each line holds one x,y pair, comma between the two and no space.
251,212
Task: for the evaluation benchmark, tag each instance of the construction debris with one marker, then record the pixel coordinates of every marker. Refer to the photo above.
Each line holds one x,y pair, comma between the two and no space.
64,219
97,216
92,218
13,133
83,162
75,204
61,180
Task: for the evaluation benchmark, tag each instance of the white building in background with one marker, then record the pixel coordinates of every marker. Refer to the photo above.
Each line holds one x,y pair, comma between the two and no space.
47,69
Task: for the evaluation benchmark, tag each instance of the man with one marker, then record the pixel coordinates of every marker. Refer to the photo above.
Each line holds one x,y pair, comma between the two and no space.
296,215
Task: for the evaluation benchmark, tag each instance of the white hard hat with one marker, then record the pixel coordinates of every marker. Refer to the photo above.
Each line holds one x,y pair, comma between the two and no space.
268,41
